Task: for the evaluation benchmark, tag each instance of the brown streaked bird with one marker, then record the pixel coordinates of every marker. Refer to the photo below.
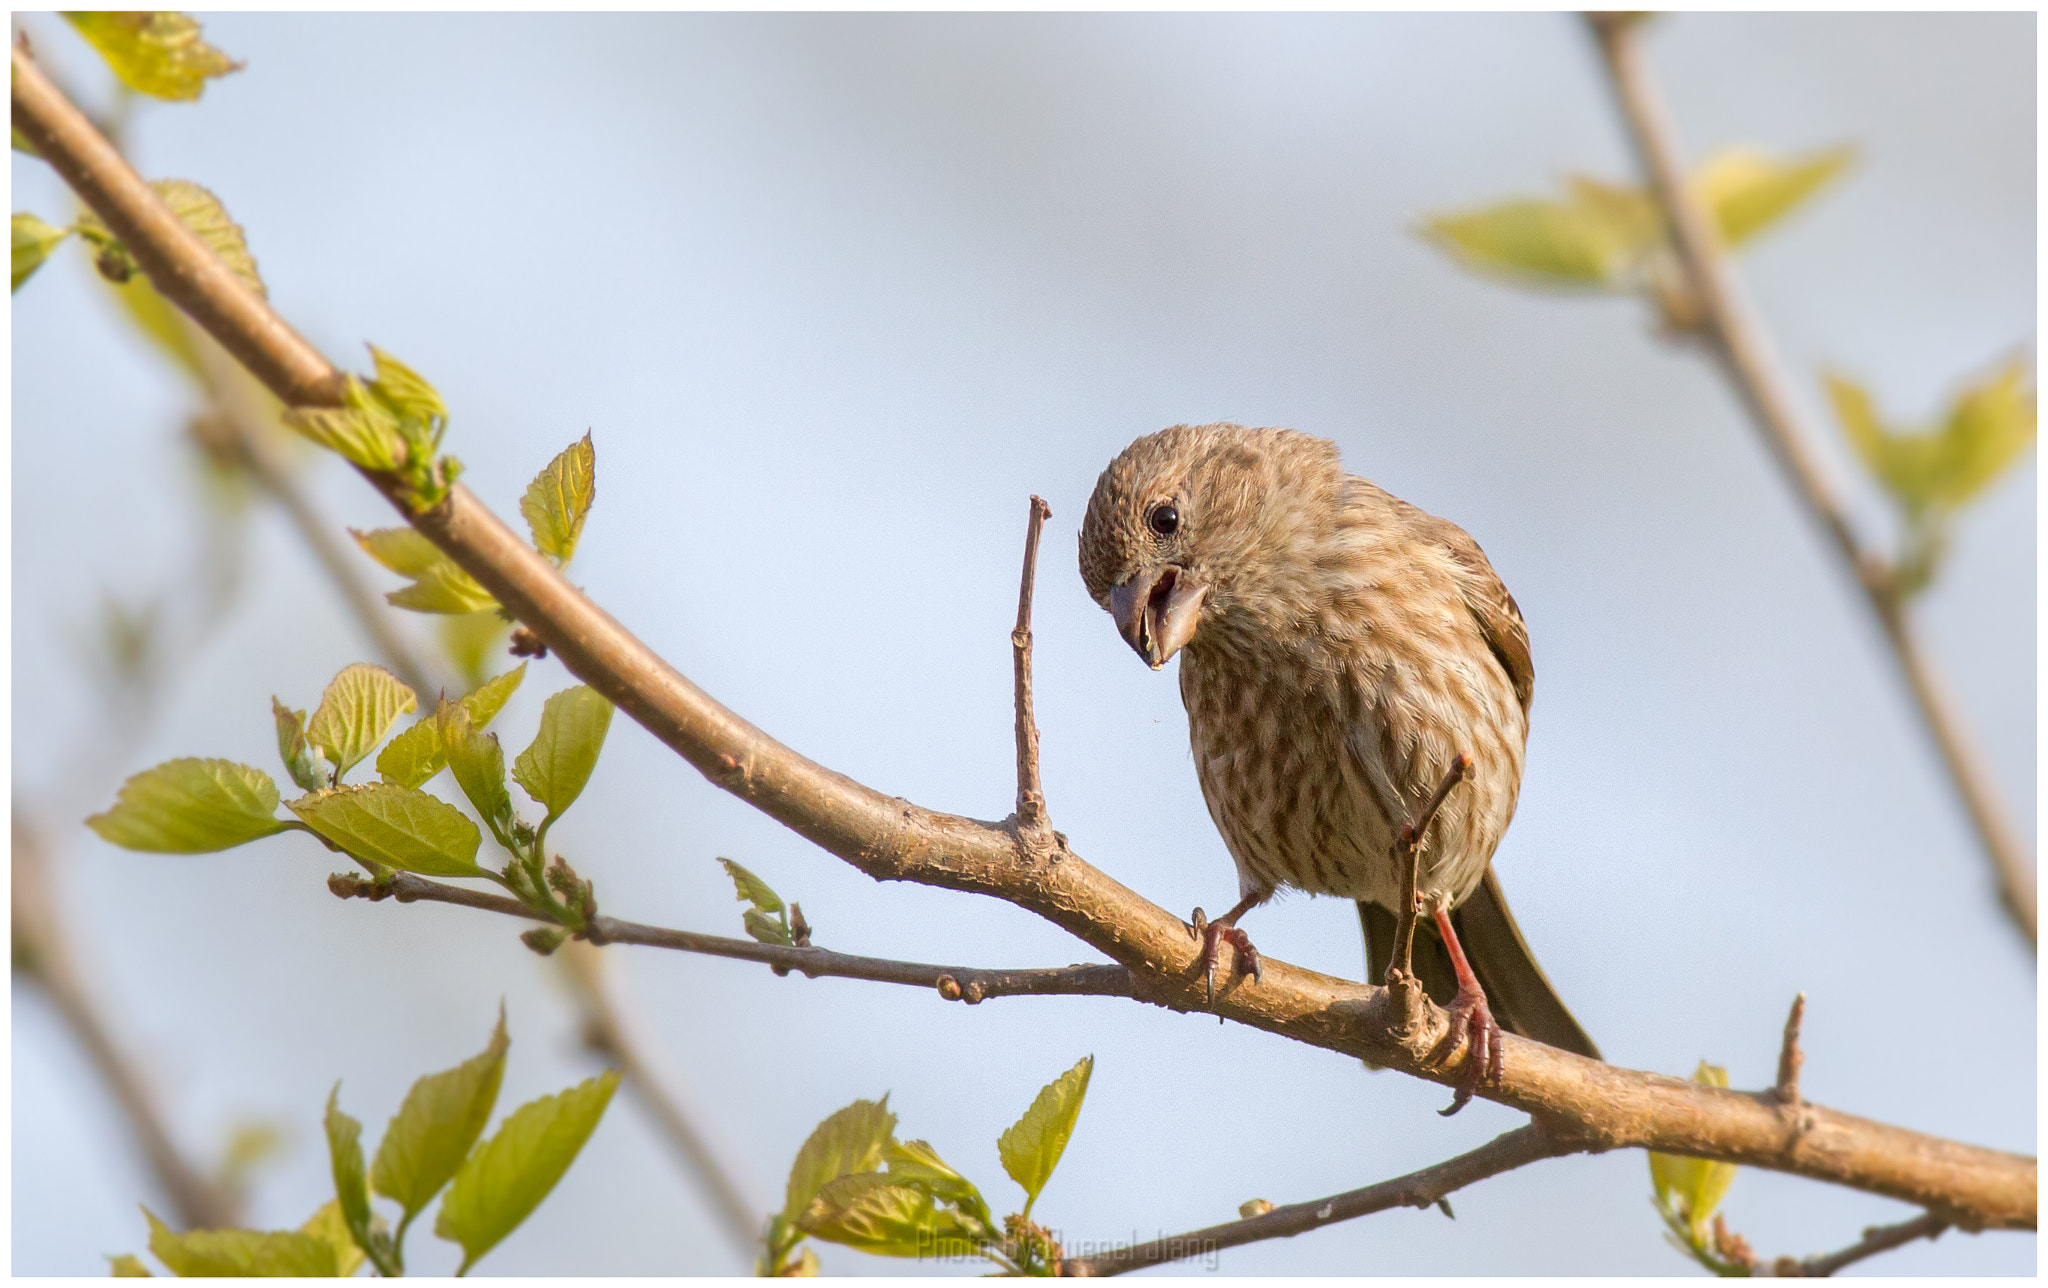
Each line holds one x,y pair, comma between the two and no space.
1339,650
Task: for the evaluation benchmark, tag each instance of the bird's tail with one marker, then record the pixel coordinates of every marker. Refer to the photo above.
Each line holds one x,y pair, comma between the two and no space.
1517,991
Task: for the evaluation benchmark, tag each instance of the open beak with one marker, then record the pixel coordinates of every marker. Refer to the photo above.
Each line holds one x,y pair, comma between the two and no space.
1156,612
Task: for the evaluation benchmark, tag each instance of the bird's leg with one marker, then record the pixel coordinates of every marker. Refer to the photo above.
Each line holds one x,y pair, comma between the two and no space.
1406,847
1225,928
1470,1016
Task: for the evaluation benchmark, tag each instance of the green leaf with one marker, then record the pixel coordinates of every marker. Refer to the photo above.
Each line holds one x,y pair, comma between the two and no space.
471,639
128,1266
345,1160
1747,191
331,1228
33,242
855,1139
558,764
752,889
241,1254
403,550
200,211
558,499
1988,426
433,1131
363,432
395,825
914,1162
1578,244
1689,1189
155,53
407,392
478,762
501,1184
766,929
1032,1147
292,747
358,709
159,320
870,1212
416,755
191,806
444,588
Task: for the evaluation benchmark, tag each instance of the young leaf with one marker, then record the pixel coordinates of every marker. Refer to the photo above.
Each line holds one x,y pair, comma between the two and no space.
855,1139
558,499
765,929
191,806
331,1228
1547,242
871,1212
200,211
558,764
443,588
128,1266
500,1185
292,747
358,709
1987,428
1689,1189
33,242
241,1254
416,755
1032,1147
406,391
752,889
395,825
433,1131
156,53
478,762
913,1162
403,550
362,431
1747,191
345,1160
472,641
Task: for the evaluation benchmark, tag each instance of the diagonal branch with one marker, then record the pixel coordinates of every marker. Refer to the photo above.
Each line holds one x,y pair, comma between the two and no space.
1744,350
1878,1238
1592,1104
1426,1188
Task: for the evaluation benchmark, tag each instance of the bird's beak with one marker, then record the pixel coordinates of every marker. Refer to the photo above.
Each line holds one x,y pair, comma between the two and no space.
1156,612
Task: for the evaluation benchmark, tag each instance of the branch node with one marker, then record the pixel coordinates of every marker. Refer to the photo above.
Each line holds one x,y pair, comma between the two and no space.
1790,1057
949,988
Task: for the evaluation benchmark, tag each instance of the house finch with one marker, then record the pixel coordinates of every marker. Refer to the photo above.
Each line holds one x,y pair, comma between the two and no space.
1340,651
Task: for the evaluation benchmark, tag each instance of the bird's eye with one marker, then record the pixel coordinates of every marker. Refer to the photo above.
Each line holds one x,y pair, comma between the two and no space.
1163,519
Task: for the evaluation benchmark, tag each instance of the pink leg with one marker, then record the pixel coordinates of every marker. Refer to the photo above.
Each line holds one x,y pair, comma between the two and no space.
1470,1016
1225,928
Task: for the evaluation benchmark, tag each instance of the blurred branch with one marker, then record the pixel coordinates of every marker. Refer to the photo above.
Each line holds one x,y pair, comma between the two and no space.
43,955
1423,1189
1593,1105
1878,1238
954,983
1744,350
607,1032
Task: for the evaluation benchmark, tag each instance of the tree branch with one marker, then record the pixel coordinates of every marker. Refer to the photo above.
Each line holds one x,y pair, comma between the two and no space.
1878,1238
1744,351
970,984
1591,1104
1031,813
42,954
1422,1189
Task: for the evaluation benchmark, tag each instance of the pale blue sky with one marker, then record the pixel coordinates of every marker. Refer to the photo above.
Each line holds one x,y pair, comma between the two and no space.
834,295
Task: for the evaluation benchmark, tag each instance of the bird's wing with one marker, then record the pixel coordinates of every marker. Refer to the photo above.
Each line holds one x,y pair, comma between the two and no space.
1499,617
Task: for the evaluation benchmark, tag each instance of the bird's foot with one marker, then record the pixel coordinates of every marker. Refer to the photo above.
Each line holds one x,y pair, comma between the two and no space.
1246,960
1471,1019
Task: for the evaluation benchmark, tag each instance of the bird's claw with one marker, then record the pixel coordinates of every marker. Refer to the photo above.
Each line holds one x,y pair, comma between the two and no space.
1247,961
1470,1018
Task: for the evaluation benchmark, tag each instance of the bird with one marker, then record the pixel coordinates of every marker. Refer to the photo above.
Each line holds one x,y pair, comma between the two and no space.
1344,655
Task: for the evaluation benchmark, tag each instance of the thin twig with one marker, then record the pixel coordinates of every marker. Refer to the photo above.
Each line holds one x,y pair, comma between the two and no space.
42,954
1743,348
1423,1189
1878,1238
1031,812
968,984
1790,1057
1408,846
889,838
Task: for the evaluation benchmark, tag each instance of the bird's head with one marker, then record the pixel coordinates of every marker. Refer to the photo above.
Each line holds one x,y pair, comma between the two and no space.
1200,528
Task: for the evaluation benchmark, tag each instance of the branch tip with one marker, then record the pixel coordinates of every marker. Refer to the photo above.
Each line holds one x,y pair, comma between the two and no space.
1790,1057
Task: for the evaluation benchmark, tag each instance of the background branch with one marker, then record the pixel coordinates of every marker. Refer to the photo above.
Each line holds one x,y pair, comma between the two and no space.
1589,1103
1744,351
1425,1188
1881,1238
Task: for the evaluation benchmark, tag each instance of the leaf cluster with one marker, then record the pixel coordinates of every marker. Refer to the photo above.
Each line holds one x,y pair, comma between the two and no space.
767,918
430,1145
1933,473
853,1183
1687,1191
